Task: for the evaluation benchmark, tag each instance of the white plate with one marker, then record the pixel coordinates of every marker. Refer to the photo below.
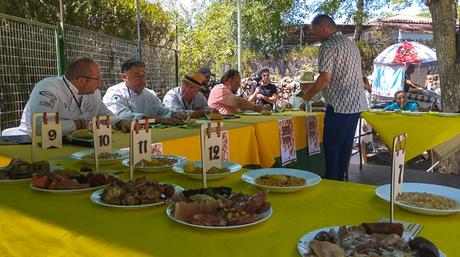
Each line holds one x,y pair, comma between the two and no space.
251,113
232,166
311,178
264,215
67,191
447,114
449,192
96,198
412,113
180,160
303,246
81,154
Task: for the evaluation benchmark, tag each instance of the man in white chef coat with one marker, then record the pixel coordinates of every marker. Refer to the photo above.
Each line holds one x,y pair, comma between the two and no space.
75,96
131,100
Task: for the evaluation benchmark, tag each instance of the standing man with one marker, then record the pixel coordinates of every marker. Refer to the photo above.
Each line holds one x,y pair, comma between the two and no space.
188,97
265,92
75,96
223,98
131,100
341,82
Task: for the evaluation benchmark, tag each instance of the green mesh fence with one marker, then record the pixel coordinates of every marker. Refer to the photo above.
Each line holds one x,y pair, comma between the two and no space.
28,53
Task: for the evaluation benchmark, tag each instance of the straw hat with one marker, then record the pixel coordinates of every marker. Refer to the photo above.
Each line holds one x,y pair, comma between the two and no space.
305,77
195,78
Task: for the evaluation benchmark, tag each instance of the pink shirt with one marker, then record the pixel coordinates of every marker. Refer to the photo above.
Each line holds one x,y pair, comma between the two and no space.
219,99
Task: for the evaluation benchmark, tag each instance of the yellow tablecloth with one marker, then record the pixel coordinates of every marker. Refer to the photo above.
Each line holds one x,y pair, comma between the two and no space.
423,132
267,133
41,224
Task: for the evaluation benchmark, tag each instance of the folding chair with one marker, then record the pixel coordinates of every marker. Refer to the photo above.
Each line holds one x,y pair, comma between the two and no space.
445,150
426,102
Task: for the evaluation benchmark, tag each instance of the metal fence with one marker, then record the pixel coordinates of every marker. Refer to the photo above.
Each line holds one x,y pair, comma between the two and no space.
29,53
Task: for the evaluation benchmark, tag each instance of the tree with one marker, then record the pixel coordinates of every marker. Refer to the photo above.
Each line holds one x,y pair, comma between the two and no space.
112,17
442,12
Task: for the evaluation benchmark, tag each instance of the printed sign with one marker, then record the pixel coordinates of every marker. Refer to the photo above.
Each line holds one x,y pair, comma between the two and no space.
51,131
287,141
225,146
397,170
140,143
211,147
312,135
157,149
102,136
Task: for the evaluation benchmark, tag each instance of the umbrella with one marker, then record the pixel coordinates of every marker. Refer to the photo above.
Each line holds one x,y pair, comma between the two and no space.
406,53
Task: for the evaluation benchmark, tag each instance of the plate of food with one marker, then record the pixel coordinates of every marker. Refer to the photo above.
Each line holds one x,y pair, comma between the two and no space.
253,113
425,199
136,194
412,113
385,239
281,180
87,156
448,114
21,171
194,169
69,181
158,163
219,208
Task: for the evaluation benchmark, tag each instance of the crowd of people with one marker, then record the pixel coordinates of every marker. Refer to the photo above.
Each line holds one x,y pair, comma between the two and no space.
340,88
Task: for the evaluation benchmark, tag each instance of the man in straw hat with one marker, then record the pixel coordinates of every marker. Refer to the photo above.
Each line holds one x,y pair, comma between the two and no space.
305,81
341,82
223,98
188,97
131,100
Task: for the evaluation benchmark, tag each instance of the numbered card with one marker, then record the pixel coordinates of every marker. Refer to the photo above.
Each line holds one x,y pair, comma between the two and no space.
211,147
397,169
287,141
140,143
313,144
51,131
102,136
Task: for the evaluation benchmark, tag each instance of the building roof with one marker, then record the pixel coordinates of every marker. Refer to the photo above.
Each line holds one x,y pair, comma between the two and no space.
406,19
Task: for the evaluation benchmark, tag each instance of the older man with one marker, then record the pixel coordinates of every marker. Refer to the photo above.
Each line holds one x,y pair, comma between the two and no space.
341,82
223,98
188,97
131,100
75,96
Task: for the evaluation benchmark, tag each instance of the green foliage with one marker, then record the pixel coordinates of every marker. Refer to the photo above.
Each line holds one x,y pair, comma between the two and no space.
113,17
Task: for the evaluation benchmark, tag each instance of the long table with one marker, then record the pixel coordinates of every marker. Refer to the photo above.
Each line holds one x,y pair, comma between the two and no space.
44,224
252,141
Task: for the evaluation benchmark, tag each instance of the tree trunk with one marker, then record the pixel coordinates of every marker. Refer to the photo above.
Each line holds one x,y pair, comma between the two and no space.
449,71
359,18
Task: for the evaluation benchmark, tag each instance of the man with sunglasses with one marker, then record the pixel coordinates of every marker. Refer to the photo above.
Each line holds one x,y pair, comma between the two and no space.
75,96
265,92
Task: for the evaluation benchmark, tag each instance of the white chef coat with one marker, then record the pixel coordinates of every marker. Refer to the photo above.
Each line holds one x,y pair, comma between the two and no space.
56,95
173,100
128,104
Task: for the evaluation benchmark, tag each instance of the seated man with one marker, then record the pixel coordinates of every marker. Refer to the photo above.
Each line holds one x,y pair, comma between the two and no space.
305,81
131,100
75,96
401,103
188,96
409,85
264,92
223,98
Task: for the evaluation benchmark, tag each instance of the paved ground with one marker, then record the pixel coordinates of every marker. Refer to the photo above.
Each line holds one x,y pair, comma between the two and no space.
379,174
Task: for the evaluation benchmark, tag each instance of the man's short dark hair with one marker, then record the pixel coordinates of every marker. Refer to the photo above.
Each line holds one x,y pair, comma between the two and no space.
79,67
230,74
128,64
323,19
262,71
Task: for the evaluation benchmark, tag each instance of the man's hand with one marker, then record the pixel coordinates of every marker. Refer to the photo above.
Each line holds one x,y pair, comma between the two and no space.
260,96
123,125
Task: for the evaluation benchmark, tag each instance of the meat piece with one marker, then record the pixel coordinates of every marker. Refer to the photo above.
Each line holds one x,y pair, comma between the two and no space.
243,219
255,202
129,199
423,247
326,249
207,220
383,228
167,190
324,236
40,181
184,210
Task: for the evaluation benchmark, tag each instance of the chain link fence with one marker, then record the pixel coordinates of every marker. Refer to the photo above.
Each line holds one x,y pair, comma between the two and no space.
29,53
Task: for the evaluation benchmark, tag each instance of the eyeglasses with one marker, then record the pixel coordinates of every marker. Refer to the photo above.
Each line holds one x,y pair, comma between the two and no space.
86,77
